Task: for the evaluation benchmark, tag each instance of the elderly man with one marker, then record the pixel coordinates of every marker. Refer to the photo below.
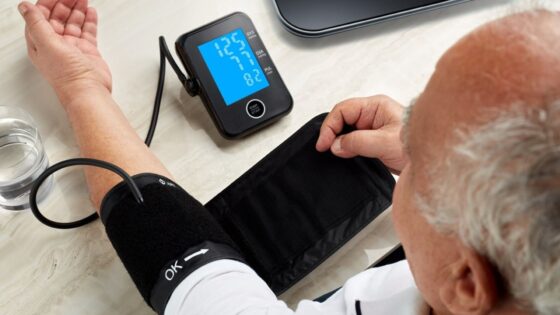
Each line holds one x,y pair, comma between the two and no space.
477,205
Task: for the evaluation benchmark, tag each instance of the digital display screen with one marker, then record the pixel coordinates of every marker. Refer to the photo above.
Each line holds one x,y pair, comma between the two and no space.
233,66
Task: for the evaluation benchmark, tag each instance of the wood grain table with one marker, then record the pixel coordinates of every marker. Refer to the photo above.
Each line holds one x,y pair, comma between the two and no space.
46,271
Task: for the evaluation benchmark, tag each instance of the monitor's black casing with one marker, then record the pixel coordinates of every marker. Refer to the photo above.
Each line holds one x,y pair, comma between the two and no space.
233,121
317,18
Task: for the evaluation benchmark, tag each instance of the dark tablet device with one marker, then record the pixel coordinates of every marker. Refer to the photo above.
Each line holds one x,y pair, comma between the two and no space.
316,18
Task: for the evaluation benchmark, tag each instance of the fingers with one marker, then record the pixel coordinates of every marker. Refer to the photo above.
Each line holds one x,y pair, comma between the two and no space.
76,19
351,112
89,29
368,143
60,14
46,4
46,7
38,28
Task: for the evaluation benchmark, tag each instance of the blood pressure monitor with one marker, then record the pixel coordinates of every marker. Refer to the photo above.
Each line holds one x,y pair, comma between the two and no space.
234,74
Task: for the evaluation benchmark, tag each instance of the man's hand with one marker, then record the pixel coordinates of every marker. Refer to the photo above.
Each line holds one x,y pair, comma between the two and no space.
61,40
378,120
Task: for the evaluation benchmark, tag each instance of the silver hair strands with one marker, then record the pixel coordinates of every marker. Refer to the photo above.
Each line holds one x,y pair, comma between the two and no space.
499,191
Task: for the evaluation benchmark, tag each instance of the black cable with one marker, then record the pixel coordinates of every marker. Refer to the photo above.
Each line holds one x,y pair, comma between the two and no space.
163,50
188,84
159,94
72,162
191,88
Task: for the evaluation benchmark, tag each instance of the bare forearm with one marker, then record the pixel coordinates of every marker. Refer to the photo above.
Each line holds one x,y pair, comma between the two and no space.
62,44
103,132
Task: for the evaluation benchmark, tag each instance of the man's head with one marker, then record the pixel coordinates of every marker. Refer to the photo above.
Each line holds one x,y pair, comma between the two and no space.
478,207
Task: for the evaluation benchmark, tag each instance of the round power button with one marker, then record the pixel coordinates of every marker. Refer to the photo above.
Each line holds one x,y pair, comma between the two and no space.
255,109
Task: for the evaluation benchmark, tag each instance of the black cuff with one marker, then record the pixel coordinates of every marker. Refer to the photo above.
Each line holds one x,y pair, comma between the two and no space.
148,236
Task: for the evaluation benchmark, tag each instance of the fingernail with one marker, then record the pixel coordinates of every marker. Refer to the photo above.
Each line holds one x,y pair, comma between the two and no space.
336,146
22,8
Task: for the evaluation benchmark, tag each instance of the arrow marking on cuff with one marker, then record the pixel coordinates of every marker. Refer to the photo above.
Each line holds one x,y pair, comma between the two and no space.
200,252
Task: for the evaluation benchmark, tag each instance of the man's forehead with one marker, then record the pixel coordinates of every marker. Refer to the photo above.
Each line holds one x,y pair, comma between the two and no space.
429,127
405,133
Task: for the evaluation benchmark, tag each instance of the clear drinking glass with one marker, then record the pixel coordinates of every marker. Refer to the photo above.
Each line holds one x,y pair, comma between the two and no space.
22,159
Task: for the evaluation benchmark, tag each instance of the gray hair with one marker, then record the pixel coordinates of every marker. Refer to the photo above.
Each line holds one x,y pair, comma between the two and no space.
499,191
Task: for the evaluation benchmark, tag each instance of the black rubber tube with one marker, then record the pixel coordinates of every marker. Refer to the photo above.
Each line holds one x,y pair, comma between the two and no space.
74,162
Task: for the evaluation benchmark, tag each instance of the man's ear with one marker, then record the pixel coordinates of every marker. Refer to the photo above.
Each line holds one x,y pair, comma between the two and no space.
471,286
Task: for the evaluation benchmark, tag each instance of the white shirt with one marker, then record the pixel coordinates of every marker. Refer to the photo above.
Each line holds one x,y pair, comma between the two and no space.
229,287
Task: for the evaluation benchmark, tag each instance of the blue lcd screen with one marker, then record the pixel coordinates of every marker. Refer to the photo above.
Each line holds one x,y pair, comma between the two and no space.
233,66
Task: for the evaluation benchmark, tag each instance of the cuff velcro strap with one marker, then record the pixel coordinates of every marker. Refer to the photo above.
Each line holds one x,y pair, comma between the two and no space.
148,236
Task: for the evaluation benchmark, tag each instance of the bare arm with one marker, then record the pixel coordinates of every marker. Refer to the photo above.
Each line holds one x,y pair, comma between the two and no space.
62,44
104,133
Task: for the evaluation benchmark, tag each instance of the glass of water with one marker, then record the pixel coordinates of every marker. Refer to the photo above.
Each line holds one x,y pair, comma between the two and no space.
22,159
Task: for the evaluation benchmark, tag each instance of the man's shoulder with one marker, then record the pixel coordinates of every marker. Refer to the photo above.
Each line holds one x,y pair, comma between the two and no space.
381,282
386,290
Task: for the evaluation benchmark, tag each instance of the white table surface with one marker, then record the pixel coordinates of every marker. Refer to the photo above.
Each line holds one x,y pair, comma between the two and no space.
46,271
